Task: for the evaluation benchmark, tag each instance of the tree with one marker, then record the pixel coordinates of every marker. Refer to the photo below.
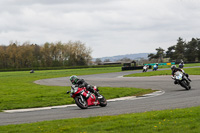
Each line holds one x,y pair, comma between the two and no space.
12,53
180,50
198,48
3,57
159,55
170,53
77,53
36,55
191,50
151,56
56,53
46,55
25,55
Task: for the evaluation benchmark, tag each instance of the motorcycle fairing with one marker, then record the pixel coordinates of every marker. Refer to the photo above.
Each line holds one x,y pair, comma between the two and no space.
92,100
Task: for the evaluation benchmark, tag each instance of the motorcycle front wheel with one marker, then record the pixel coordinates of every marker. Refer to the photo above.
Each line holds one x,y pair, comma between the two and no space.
185,85
81,103
102,101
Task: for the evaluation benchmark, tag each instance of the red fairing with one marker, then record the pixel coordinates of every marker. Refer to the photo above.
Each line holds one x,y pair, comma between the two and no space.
84,94
78,91
91,100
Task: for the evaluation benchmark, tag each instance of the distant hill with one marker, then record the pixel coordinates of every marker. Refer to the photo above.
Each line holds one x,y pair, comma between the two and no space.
130,56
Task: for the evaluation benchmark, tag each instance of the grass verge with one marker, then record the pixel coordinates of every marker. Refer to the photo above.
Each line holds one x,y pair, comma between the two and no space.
52,96
190,71
167,121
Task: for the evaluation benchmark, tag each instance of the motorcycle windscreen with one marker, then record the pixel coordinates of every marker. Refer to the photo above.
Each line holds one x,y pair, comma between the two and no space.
178,75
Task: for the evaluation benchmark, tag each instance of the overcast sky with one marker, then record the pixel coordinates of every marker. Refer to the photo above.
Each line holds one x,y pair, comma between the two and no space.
108,27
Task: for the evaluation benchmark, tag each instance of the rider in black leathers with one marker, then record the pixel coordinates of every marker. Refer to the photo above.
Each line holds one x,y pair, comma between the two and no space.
81,83
181,65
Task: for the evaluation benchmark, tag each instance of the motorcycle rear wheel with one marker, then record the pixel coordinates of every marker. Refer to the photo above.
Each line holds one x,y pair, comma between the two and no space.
81,104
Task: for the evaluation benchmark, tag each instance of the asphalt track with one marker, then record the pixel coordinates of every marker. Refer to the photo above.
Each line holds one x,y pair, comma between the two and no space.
170,96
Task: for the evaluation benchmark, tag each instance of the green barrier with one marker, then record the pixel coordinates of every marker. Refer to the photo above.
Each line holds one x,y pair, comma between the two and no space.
161,64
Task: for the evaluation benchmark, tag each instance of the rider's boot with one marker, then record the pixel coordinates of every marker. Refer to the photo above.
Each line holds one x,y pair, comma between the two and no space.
189,79
97,94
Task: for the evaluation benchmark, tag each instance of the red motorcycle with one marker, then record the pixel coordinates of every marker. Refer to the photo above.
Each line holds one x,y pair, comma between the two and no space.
79,95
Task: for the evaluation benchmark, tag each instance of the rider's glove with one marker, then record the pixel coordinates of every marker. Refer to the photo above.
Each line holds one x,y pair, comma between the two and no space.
172,77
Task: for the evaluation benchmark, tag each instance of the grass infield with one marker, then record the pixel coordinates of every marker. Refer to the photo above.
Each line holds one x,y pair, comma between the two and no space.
17,89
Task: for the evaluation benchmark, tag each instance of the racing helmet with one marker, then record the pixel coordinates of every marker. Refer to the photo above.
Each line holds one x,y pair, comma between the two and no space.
173,67
73,79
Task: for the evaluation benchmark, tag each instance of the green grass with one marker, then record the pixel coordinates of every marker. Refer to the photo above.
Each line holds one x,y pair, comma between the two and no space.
17,89
167,121
186,65
19,85
190,71
191,65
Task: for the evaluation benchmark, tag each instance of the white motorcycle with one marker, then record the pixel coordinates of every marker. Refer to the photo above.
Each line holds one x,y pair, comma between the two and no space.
145,68
182,80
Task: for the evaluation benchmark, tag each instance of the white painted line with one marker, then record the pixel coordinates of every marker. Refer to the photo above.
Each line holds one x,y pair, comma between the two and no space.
36,109
122,98
154,94
72,105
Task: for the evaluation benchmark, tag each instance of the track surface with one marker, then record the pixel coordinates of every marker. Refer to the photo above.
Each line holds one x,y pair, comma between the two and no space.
174,97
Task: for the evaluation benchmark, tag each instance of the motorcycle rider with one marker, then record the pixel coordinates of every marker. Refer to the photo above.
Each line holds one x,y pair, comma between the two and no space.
181,65
155,67
174,70
81,83
145,68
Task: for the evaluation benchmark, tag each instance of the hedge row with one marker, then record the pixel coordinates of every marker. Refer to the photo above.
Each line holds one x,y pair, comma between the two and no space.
57,68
